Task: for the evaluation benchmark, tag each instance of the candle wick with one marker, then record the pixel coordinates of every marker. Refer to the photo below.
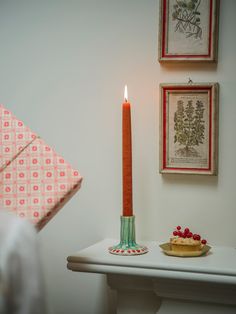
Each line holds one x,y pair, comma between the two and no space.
126,100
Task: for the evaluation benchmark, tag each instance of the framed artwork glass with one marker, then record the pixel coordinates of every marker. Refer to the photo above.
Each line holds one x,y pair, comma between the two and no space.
189,128
188,30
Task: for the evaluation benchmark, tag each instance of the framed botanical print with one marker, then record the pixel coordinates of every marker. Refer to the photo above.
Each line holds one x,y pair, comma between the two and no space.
189,128
188,30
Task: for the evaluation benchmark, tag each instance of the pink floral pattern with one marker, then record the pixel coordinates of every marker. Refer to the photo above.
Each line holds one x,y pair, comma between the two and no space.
14,137
35,182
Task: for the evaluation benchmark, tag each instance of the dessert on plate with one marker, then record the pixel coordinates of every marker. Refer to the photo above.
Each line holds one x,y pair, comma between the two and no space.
186,241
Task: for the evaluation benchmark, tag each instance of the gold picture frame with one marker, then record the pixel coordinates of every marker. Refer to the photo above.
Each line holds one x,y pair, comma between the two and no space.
188,30
189,128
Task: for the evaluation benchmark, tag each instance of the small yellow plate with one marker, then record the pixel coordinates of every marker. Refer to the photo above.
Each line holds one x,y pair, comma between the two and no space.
167,250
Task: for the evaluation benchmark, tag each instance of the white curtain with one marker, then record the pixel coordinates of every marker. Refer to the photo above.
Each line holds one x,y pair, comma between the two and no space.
21,280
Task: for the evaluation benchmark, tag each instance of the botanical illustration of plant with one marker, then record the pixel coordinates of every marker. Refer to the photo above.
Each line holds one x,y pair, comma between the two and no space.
187,17
189,127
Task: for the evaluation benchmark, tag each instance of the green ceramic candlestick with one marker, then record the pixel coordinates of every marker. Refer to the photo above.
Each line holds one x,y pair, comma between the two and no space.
127,245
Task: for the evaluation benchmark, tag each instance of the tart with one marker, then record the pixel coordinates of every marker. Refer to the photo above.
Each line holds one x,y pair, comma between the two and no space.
186,241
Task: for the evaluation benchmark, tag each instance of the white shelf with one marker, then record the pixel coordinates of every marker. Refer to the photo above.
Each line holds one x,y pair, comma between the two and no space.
220,262
207,278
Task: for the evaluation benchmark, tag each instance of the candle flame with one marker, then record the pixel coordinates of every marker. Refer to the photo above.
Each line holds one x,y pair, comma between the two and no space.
126,94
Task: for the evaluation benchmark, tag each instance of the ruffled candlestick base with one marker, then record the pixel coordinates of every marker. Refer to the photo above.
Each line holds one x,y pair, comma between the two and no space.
127,245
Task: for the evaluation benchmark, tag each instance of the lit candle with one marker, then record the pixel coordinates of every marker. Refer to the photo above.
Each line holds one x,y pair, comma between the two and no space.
127,157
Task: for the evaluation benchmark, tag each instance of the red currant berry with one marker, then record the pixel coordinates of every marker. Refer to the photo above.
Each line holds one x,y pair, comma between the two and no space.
189,235
184,235
204,241
180,234
178,228
175,233
196,237
186,230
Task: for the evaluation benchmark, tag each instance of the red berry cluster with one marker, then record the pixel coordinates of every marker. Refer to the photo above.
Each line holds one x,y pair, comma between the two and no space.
188,234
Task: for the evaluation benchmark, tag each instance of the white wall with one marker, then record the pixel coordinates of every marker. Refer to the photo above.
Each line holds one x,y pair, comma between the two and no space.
63,66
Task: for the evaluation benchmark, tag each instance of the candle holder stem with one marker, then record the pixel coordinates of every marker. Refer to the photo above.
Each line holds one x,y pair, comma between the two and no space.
127,245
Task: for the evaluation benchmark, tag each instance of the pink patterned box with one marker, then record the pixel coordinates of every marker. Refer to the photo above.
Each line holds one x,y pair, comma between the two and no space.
35,182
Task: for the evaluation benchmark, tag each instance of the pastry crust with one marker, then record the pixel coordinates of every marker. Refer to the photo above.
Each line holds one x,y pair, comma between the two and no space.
185,244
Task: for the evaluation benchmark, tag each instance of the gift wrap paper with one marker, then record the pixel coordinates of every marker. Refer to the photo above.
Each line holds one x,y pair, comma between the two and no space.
35,182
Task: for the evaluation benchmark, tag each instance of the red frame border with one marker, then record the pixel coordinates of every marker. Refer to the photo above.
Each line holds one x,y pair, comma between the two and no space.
163,39
184,88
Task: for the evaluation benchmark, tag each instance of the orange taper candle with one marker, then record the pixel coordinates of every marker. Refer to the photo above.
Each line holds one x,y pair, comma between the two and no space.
127,157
